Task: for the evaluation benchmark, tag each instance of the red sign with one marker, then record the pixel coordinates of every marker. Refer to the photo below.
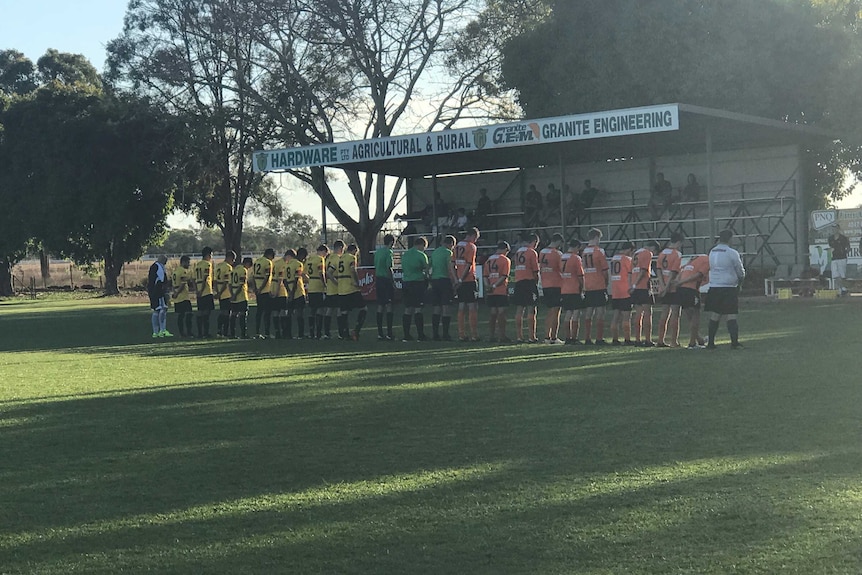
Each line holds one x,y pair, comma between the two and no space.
368,285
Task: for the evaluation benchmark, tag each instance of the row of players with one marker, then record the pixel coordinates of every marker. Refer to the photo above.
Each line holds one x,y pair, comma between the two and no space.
579,281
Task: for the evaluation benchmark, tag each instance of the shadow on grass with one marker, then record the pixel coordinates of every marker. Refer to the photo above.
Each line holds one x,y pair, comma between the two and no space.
562,466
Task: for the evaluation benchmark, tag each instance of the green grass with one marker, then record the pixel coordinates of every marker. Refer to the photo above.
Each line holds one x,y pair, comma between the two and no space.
119,454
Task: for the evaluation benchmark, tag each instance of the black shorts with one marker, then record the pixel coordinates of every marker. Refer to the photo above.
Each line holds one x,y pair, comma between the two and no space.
224,304
296,304
595,298
441,292
669,299
413,293
206,303
279,303
239,307
641,297
316,300
158,302
331,301
347,302
183,306
624,304
723,300
551,297
526,293
688,298
572,301
264,302
498,301
385,290
467,292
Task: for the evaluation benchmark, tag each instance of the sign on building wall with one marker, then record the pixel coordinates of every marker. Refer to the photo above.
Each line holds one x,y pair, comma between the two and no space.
643,120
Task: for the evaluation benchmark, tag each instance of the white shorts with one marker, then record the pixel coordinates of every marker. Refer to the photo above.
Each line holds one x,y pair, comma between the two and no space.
839,269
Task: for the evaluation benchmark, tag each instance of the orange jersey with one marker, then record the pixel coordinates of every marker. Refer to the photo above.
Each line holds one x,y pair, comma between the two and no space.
669,264
595,268
696,265
642,261
526,264
571,273
621,269
549,268
464,257
497,268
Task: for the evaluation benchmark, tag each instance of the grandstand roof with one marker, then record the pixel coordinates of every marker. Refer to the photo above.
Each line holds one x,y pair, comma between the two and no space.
649,131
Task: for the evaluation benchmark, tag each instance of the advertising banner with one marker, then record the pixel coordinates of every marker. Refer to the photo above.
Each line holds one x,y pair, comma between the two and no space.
822,224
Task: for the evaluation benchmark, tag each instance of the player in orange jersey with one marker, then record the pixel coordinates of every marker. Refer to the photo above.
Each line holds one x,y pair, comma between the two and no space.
549,272
496,274
621,301
595,286
641,298
572,289
668,263
691,276
466,288
526,288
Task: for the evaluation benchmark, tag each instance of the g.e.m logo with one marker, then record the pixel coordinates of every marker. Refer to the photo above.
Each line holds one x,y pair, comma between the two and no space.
516,134
823,219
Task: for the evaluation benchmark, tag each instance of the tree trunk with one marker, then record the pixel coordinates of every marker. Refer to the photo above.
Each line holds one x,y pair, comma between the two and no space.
366,241
5,277
45,266
112,273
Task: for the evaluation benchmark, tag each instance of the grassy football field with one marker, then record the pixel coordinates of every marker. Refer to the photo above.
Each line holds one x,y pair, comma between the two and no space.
123,454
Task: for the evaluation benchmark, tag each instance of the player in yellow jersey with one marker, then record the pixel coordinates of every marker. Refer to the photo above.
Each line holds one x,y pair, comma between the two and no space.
239,298
261,276
349,294
182,280
296,300
279,296
221,281
204,291
315,272
332,280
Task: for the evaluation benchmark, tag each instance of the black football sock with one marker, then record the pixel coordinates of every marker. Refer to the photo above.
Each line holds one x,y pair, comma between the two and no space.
390,318
713,330
200,325
243,325
232,326
406,320
435,325
189,324
278,325
258,317
380,323
327,325
447,319
360,320
267,318
300,326
205,320
318,320
180,318
419,320
733,330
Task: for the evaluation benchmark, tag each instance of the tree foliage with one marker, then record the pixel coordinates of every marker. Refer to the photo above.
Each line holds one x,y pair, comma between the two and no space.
87,174
785,59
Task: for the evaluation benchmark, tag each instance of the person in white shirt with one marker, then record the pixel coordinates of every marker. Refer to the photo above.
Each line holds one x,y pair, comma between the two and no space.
726,273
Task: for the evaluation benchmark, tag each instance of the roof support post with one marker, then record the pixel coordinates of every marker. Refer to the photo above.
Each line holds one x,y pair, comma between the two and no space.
799,214
435,223
562,195
713,231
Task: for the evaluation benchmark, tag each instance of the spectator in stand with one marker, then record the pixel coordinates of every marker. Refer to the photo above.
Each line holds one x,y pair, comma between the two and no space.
461,220
484,208
533,206
661,196
840,246
588,195
552,205
691,192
